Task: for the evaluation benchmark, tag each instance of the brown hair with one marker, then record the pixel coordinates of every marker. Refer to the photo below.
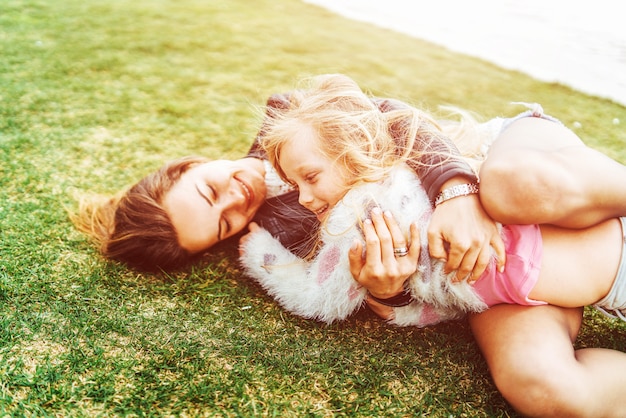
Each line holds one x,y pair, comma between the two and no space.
132,226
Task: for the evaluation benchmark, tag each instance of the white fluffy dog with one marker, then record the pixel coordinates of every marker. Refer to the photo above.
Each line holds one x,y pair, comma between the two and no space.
323,288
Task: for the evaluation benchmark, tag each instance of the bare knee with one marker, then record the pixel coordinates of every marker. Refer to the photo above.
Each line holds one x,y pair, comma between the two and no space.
503,189
521,190
537,391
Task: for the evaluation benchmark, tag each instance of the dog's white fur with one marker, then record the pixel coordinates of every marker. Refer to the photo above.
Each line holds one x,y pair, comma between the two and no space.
323,288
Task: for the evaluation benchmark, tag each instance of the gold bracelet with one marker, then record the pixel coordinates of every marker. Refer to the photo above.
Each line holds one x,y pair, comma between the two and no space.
456,191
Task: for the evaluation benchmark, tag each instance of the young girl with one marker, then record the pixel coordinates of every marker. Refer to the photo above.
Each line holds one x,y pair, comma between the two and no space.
338,150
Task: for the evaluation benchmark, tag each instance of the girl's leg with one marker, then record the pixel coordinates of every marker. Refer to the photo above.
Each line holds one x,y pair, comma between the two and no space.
578,266
534,365
538,171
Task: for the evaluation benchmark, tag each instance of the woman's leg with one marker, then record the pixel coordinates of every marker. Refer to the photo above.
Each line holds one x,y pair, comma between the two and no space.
538,171
534,365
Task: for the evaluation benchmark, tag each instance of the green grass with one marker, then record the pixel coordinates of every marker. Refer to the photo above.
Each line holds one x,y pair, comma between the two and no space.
93,95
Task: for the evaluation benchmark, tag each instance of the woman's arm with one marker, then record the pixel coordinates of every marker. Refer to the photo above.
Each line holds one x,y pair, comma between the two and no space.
460,231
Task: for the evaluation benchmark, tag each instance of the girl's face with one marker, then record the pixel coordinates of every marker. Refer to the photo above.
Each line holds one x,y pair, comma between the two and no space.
215,200
321,183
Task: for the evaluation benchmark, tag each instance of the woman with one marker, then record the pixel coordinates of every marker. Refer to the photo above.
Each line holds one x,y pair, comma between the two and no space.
528,349
171,216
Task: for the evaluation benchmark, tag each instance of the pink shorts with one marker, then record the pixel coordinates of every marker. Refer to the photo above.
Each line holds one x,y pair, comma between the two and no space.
524,248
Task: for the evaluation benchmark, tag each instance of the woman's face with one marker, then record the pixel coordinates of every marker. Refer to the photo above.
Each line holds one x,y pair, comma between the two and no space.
215,200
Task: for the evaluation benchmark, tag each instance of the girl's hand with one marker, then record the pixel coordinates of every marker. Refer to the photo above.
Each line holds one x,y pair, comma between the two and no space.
252,228
463,225
379,270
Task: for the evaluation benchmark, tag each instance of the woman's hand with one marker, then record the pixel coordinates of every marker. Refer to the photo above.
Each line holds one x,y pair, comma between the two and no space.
464,227
382,272
383,311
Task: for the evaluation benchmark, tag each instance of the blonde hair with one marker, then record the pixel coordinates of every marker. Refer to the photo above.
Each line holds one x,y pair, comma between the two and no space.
351,129
133,227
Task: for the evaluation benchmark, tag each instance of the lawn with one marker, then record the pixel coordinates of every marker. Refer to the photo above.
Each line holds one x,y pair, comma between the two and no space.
96,94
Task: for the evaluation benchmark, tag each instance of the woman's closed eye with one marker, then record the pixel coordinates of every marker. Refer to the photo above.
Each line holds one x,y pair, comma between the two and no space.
226,225
212,194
